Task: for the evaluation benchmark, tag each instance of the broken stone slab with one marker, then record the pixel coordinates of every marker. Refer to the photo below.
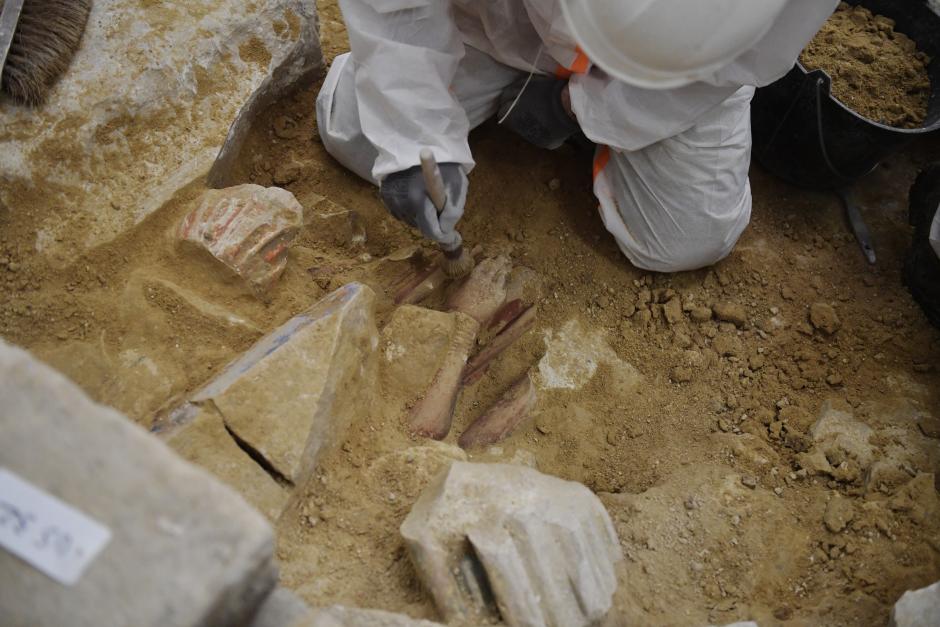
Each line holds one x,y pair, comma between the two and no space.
138,126
292,396
917,608
302,63
184,550
248,228
497,541
206,443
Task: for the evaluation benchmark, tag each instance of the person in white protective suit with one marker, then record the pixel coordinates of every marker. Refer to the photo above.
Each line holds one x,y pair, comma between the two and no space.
669,111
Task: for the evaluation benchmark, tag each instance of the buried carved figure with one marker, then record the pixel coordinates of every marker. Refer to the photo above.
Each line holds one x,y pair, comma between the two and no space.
490,305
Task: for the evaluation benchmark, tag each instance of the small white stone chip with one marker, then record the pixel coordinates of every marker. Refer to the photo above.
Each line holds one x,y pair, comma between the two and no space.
50,535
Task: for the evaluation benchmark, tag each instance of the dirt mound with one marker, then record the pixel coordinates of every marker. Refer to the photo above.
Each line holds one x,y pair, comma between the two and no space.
875,70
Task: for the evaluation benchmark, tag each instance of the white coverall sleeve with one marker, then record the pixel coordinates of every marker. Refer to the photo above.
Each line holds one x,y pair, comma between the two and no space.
406,53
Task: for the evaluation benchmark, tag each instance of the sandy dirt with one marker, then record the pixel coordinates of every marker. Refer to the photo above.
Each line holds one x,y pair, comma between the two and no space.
875,70
698,459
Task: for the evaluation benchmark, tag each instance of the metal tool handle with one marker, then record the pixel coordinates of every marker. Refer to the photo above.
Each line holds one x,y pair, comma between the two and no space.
433,179
8,20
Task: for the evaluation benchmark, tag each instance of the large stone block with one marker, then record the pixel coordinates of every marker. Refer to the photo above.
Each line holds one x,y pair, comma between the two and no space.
248,228
144,109
542,548
293,395
185,550
918,608
206,443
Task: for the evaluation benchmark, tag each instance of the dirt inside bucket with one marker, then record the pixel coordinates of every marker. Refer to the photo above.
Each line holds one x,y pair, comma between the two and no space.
876,71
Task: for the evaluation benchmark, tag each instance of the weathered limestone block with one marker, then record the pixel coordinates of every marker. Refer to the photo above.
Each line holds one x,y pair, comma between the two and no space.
292,395
206,443
340,616
185,550
918,608
544,549
248,228
144,109
285,609
282,608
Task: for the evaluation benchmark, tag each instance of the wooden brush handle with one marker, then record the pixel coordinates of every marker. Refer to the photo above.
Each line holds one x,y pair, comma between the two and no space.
433,179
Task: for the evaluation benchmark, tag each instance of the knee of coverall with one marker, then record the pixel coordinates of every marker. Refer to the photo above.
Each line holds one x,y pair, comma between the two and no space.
674,236
682,203
338,120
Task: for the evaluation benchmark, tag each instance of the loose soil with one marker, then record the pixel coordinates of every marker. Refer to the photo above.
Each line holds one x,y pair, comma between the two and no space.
697,464
875,71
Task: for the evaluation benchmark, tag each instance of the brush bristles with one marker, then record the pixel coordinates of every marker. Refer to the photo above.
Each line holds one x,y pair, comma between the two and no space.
458,267
46,37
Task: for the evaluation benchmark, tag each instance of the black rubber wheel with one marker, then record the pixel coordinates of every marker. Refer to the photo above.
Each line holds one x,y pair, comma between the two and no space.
922,267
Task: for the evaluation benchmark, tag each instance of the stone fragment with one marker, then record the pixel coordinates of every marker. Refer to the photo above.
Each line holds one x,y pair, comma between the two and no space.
184,551
700,314
248,228
143,109
824,318
728,345
731,312
206,443
673,310
292,396
839,513
917,608
841,437
542,549
340,616
282,608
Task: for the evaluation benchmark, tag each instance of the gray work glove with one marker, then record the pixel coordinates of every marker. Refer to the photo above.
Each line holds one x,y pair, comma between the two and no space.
538,117
406,198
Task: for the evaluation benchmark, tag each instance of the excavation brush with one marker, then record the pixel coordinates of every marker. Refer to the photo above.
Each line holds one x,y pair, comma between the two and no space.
37,41
457,261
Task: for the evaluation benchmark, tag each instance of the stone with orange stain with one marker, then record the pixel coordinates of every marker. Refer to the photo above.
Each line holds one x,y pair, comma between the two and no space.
248,228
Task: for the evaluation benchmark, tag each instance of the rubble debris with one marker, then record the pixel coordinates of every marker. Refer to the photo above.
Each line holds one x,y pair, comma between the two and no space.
292,396
824,318
917,608
839,513
248,228
209,556
497,541
731,312
499,421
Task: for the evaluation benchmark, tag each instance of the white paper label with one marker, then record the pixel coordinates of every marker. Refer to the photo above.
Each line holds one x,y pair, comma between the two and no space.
52,536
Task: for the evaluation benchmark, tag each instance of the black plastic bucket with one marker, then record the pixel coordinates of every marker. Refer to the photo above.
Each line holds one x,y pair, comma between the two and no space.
806,136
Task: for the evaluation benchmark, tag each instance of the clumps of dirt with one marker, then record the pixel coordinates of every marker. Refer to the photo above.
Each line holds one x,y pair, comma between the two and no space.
875,70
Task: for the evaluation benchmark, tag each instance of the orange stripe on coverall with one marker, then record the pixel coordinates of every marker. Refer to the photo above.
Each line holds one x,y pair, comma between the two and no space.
579,66
600,160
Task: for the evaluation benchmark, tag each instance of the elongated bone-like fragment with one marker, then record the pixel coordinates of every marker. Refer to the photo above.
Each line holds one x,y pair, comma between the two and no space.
506,315
514,330
432,415
421,286
503,416
425,281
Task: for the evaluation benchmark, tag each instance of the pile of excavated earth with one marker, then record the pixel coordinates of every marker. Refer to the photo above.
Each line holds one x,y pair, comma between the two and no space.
330,432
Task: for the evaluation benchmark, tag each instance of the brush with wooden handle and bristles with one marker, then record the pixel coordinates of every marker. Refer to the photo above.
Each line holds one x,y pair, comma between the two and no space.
457,261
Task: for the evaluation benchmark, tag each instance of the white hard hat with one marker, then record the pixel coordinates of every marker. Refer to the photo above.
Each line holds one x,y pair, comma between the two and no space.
661,44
